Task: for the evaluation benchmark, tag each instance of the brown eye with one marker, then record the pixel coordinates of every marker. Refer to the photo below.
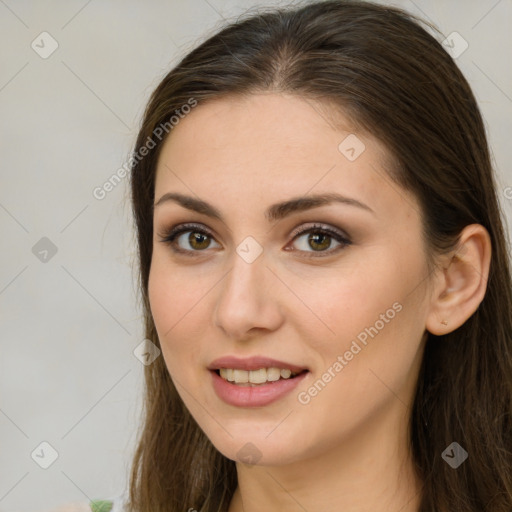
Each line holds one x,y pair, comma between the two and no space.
198,239
320,239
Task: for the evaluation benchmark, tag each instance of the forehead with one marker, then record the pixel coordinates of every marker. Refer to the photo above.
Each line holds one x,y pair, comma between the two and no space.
256,148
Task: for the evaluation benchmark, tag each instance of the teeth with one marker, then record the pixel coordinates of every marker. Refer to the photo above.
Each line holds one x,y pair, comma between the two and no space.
258,376
286,373
241,376
273,374
255,376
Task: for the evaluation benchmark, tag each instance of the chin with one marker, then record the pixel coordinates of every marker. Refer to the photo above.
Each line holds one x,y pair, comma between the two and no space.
257,449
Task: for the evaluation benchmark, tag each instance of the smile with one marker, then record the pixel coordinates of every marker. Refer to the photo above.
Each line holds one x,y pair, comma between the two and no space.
256,377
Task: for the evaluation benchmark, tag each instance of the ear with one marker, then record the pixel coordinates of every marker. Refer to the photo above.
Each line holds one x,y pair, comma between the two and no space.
461,282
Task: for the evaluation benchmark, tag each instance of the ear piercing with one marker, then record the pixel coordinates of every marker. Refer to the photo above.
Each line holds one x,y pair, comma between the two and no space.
444,322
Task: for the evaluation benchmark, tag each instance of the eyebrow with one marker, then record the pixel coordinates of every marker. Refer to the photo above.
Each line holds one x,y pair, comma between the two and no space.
273,213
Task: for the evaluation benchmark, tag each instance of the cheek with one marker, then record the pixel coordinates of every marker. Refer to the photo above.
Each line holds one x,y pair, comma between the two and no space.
180,301
371,355
173,293
371,315
343,302
171,301
162,297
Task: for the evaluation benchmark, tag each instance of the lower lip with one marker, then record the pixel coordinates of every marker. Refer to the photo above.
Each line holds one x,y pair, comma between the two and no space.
254,396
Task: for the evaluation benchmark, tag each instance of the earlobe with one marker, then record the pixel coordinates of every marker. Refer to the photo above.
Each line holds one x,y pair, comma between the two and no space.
462,282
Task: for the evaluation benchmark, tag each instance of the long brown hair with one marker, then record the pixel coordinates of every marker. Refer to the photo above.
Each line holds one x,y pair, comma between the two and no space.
385,71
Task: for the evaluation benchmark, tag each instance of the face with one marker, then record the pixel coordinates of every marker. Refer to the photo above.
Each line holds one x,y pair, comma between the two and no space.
344,302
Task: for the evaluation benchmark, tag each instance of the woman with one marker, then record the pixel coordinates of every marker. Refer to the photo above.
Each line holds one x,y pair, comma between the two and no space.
324,268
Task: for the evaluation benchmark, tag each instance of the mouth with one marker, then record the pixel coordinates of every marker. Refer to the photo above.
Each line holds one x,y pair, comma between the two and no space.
259,377
255,382
255,370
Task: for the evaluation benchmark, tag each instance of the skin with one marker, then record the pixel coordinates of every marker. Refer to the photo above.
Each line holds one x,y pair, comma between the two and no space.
347,448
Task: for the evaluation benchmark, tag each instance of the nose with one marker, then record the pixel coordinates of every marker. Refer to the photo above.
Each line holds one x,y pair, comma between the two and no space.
249,299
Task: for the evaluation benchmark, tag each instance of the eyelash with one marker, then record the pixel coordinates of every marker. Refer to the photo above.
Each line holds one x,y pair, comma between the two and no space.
171,234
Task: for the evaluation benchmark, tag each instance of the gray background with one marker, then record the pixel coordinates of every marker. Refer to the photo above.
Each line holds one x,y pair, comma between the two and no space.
69,325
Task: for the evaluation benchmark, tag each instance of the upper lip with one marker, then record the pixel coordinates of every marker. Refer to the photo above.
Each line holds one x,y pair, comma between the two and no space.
252,363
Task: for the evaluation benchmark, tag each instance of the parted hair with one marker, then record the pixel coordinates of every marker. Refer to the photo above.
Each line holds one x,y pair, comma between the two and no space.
387,71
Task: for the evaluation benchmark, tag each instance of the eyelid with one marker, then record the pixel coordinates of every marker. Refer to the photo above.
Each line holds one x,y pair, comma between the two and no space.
170,235
318,226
